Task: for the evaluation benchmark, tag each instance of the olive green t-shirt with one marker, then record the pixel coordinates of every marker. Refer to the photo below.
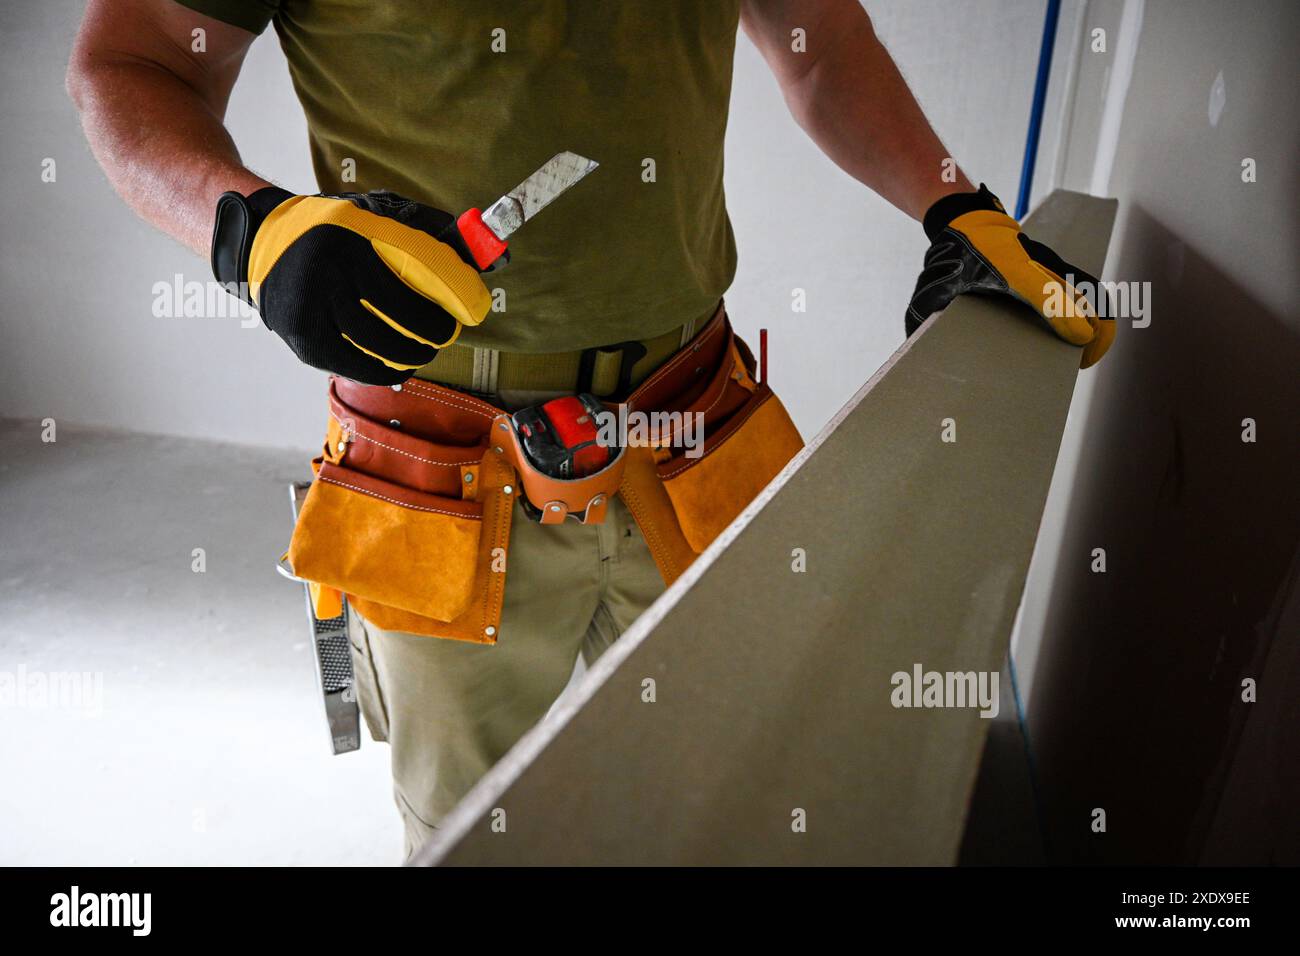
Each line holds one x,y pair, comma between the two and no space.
454,102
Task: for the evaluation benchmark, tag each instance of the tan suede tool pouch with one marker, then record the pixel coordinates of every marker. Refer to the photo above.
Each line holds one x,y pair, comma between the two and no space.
408,515
740,437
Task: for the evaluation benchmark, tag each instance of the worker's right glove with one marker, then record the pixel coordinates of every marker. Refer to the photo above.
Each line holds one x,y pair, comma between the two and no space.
366,285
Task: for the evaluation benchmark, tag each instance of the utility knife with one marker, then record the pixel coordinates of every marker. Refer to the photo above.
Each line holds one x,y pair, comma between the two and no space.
485,231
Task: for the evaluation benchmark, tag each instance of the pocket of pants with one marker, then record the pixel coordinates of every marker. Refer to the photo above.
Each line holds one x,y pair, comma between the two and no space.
388,543
737,459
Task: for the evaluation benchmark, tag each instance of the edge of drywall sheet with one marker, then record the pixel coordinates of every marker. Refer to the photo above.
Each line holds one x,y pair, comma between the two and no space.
494,783
1050,540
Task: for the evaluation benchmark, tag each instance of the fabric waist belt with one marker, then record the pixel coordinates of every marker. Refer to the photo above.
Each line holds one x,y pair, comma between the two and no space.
606,371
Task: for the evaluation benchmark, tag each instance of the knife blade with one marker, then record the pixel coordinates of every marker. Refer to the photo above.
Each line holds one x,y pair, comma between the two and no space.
485,233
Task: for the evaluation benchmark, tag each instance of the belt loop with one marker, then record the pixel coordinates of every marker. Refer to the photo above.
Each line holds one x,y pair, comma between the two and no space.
486,363
606,371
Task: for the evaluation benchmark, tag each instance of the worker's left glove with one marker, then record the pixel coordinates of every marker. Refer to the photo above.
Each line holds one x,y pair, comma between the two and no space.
976,247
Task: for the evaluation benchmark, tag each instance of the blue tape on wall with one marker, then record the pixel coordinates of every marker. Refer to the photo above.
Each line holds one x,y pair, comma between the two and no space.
1036,111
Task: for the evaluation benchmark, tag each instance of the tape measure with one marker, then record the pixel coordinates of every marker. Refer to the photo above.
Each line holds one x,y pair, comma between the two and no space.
560,437
566,471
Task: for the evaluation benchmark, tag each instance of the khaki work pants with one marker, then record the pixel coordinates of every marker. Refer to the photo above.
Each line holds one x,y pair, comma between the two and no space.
451,709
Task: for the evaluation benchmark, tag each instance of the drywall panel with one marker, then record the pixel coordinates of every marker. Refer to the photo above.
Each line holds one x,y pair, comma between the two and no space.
772,688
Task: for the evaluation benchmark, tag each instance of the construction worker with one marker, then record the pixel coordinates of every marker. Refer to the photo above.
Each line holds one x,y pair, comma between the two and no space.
439,105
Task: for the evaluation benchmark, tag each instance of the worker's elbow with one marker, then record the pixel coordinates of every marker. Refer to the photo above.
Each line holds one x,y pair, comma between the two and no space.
89,67
78,82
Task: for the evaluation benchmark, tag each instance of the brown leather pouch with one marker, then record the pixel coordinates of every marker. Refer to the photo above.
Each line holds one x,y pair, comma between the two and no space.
740,457
409,513
684,497
391,544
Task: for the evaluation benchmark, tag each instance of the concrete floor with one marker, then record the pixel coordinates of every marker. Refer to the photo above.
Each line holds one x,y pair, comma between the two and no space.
197,736
205,743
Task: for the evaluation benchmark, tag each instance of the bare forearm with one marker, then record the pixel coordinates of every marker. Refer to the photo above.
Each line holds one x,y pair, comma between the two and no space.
848,95
162,147
152,102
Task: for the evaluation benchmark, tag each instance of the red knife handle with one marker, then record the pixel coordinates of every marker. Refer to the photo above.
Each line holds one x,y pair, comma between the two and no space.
483,243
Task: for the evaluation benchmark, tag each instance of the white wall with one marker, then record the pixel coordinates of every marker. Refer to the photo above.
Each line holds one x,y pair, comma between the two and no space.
77,270
1139,706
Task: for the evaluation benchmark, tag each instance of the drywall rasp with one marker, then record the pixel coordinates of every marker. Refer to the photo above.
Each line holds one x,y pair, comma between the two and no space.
333,657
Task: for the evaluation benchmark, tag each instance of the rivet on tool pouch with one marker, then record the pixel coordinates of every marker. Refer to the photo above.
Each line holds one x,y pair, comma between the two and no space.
565,469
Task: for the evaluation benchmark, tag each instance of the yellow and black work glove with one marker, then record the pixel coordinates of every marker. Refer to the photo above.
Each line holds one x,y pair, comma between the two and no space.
976,247
366,285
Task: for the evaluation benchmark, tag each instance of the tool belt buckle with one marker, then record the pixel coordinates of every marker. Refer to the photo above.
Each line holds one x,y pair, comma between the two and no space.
554,485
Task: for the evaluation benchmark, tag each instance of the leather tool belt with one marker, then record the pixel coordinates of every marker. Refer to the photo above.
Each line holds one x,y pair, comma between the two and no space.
409,515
